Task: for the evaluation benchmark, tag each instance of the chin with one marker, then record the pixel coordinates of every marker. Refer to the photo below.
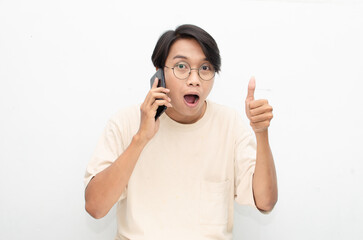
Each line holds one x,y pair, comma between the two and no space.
195,110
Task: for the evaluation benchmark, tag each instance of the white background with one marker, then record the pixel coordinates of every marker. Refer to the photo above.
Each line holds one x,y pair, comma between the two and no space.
67,66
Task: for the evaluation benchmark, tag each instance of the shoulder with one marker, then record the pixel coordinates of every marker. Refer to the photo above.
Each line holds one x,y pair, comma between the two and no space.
128,112
126,117
123,125
222,112
228,117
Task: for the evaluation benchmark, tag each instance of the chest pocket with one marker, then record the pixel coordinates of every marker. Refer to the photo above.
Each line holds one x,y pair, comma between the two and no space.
213,202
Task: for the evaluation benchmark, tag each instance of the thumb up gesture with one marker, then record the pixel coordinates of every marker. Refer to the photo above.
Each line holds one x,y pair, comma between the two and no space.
259,112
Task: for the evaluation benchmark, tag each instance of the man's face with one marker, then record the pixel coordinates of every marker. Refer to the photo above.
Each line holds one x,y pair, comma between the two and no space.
188,95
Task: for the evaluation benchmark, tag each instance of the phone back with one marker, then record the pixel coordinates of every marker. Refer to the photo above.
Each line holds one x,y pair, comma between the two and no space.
160,75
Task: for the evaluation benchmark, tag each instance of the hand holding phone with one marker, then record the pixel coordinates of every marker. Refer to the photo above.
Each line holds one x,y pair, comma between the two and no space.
156,98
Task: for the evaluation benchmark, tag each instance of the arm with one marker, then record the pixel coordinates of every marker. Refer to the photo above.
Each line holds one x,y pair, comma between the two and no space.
106,187
264,179
264,182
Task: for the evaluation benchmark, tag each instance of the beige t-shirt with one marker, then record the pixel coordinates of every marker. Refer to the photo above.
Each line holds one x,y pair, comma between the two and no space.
186,178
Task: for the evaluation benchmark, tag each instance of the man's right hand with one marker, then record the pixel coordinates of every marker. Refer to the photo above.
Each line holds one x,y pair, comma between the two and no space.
155,98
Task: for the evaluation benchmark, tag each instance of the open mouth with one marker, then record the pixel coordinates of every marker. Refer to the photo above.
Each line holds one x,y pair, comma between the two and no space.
191,99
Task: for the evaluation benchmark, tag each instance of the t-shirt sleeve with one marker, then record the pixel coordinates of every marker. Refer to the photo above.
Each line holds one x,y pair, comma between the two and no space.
244,163
108,149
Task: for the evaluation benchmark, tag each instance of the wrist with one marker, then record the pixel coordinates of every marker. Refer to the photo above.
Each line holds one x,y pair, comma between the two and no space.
140,140
263,135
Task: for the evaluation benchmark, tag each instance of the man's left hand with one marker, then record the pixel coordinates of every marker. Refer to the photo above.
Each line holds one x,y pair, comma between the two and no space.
259,112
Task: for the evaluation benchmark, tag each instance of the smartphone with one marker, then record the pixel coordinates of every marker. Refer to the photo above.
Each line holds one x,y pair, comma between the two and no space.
160,75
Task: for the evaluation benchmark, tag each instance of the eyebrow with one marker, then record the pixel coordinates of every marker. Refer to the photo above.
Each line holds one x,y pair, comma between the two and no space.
180,56
184,57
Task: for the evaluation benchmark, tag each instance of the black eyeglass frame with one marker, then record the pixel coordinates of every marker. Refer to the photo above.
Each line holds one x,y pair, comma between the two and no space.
190,70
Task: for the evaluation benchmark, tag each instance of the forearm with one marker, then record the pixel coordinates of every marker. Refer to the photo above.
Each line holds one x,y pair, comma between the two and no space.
106,187
264,179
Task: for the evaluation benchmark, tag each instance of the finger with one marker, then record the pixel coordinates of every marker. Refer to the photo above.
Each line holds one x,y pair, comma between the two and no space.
157,95
155,84
251,90
153,95
158,103
262,117
260,110
257,103
150,110
160,89
150,98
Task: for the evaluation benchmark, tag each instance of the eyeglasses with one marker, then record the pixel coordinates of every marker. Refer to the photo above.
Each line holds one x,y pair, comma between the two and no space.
182,71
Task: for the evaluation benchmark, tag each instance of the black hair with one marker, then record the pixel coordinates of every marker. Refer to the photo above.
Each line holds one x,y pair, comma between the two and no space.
186,31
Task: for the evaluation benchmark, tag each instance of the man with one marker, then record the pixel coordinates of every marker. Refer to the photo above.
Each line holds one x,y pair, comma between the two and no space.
177,177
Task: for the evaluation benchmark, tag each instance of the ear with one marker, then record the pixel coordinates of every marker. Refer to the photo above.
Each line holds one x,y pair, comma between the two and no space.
157,68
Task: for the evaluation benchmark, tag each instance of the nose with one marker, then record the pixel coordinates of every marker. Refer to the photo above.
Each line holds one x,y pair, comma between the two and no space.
193,79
